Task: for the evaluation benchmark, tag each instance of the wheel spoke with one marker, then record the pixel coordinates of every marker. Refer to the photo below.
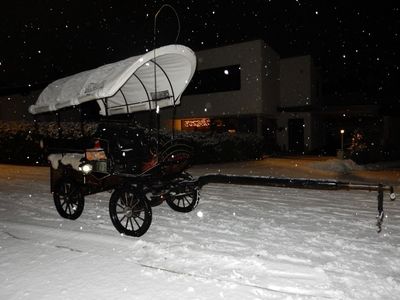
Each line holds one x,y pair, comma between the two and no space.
134,219
137,213
183,201
139,217
137,202
130,220
131,198
126,224
71,209
120,220
121,205
68,209
188,201
124,199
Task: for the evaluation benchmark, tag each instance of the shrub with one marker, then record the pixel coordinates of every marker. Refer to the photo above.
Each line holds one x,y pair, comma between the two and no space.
20,142
224,147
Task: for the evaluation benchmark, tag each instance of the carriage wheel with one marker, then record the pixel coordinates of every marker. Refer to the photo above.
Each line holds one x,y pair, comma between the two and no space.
130,213
184,202
68,199
183,198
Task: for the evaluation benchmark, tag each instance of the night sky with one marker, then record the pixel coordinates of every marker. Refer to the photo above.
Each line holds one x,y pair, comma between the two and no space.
357,47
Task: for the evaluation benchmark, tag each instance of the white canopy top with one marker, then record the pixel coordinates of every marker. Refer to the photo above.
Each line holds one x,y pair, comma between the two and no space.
130,85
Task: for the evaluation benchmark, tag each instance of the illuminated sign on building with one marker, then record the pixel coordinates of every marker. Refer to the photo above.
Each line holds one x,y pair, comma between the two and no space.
202,123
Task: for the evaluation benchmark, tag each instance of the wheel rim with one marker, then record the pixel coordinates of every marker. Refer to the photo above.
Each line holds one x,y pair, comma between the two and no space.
130,213
185,199
69,198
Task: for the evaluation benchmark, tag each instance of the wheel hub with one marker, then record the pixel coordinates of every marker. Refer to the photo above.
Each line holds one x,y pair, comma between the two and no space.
128,212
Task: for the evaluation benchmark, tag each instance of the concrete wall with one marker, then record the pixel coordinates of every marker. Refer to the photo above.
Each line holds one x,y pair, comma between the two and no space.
271,81
252,96
316,85
295,81
299,87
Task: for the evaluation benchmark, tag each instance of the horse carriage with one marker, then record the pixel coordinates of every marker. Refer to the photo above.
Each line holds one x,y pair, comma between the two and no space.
142,172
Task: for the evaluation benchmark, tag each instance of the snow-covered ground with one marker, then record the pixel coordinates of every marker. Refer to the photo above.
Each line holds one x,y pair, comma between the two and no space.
241,242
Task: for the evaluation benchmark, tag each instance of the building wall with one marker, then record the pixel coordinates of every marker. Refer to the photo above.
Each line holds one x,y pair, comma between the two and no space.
252,98
299,87
271,81
295,81
315,84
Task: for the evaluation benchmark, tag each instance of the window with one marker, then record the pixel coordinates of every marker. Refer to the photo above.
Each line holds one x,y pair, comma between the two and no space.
215,80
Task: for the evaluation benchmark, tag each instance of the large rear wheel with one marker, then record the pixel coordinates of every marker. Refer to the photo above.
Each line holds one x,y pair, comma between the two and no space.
129,212
68,199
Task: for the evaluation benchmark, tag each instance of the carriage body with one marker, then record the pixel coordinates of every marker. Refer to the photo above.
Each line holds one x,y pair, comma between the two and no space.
118,155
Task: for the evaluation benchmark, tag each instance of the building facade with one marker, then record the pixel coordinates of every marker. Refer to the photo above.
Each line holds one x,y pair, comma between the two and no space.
246,87
300,98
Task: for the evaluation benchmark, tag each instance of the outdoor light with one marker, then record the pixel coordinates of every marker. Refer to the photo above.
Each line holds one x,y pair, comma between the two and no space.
342,133
341,143
86,168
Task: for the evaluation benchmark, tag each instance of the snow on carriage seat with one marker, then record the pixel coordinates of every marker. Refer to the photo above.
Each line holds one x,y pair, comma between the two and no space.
72,159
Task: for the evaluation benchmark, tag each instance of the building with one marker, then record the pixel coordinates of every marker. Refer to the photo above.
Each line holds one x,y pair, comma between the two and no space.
246,87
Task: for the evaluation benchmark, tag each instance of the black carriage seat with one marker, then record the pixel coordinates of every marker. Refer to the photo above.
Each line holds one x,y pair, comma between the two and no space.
127,146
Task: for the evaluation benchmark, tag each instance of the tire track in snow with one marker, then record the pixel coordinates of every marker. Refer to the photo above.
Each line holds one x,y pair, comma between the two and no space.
40,230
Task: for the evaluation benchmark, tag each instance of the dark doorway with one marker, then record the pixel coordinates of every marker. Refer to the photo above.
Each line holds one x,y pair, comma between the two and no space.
296,135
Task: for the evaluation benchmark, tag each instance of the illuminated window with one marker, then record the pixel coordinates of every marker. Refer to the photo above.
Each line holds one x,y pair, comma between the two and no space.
195,124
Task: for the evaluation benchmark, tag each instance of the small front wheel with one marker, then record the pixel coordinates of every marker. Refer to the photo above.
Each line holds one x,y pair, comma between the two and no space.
129,212
184,196
185,201
68,199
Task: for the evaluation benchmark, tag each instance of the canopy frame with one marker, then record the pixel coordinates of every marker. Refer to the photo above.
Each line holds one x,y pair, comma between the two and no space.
127,84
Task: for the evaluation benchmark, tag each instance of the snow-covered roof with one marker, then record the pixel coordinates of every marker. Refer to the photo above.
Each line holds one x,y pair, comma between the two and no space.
139,83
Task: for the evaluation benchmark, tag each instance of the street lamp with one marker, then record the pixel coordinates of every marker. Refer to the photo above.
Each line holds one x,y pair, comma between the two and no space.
341,144
342,133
